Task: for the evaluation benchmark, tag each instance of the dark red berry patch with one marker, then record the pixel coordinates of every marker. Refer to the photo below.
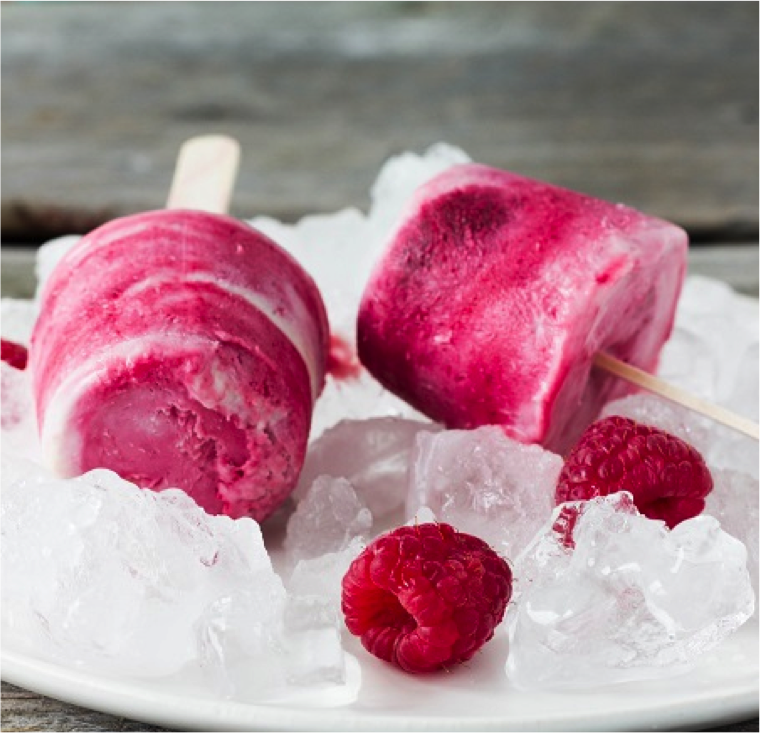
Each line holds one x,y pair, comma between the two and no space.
668,478
425,597
14,354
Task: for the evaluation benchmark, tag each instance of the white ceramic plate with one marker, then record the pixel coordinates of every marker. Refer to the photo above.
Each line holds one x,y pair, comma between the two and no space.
723,689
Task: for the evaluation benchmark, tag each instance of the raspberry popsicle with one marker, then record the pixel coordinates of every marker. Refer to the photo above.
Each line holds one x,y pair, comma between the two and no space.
181,348
496,292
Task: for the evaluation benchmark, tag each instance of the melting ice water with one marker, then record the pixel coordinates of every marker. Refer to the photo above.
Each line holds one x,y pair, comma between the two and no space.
200,592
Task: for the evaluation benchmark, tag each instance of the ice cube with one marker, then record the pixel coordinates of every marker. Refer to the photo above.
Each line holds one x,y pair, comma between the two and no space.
625,599
744,397
484,483
326,519
238,654
313,616
734,501
373,455
313,642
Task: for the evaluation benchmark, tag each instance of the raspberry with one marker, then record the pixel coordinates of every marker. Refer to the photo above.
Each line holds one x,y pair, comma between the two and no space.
425,597
667,478
13,354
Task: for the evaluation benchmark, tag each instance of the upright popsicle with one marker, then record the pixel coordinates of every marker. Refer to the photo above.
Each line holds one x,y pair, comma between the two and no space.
496,292
181,348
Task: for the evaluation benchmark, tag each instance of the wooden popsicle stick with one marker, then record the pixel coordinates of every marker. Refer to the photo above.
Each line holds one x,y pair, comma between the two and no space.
205,174
676,394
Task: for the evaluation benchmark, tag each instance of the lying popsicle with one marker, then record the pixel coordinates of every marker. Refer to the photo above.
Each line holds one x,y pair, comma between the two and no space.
498,293
182,348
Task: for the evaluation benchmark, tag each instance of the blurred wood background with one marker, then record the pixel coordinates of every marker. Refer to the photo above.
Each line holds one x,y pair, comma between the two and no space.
651,104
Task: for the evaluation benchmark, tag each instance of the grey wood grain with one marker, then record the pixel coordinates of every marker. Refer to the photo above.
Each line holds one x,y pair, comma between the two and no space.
652,104
26,711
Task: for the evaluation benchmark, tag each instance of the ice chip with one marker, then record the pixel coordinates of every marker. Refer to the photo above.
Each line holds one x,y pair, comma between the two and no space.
319,578
241,647
313,643
486,484
373,455
625,599
313,616
328,517
422,515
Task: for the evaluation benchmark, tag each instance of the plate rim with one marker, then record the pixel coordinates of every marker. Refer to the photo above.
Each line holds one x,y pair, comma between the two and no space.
131,699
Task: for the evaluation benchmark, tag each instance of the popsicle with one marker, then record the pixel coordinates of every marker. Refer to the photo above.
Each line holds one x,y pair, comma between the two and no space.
181,348
496,293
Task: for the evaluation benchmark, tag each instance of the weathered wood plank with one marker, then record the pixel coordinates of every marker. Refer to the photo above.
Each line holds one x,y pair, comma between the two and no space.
652,104
17,275
27,711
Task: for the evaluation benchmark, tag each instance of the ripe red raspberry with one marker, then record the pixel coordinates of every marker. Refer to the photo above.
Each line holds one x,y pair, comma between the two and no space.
425,597
13,354
667,478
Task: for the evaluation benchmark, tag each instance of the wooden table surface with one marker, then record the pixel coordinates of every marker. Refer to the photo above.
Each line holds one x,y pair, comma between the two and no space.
651,104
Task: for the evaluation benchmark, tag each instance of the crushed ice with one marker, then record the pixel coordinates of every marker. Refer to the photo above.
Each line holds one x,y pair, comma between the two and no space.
100,575
607,595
